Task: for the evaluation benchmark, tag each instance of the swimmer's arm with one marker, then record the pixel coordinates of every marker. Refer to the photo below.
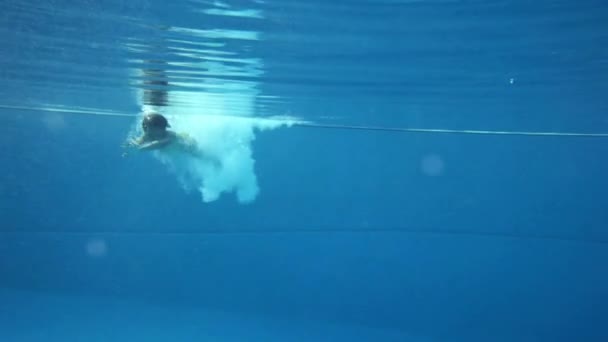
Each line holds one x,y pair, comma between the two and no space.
155,144
131,144
142,144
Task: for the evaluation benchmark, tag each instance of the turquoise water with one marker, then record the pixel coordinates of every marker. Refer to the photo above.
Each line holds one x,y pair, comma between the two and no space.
373,171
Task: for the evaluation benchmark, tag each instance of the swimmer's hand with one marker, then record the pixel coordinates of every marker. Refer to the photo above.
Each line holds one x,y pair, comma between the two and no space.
128,145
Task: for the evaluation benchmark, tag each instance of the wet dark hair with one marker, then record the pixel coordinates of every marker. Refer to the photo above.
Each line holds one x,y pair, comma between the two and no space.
154,120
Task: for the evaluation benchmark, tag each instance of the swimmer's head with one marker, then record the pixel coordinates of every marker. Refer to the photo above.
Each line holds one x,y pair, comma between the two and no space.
154,122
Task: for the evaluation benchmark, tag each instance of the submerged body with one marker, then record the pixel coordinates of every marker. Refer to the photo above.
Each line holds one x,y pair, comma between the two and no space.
156,136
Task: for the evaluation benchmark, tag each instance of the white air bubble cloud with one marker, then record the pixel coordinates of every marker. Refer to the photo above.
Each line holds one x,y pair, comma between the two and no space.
227,164
223,126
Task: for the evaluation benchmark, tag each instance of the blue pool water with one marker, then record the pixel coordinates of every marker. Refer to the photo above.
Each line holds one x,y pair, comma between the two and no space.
389,170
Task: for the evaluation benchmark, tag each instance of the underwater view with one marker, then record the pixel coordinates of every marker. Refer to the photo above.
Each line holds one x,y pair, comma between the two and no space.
281,170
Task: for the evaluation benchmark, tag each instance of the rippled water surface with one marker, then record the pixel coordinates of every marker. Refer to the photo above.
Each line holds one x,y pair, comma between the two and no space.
449,64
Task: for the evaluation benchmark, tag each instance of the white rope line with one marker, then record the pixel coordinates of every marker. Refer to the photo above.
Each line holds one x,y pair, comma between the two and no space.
84,111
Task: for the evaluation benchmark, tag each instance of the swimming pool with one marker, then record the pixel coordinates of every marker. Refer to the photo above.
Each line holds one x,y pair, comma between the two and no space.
388,170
